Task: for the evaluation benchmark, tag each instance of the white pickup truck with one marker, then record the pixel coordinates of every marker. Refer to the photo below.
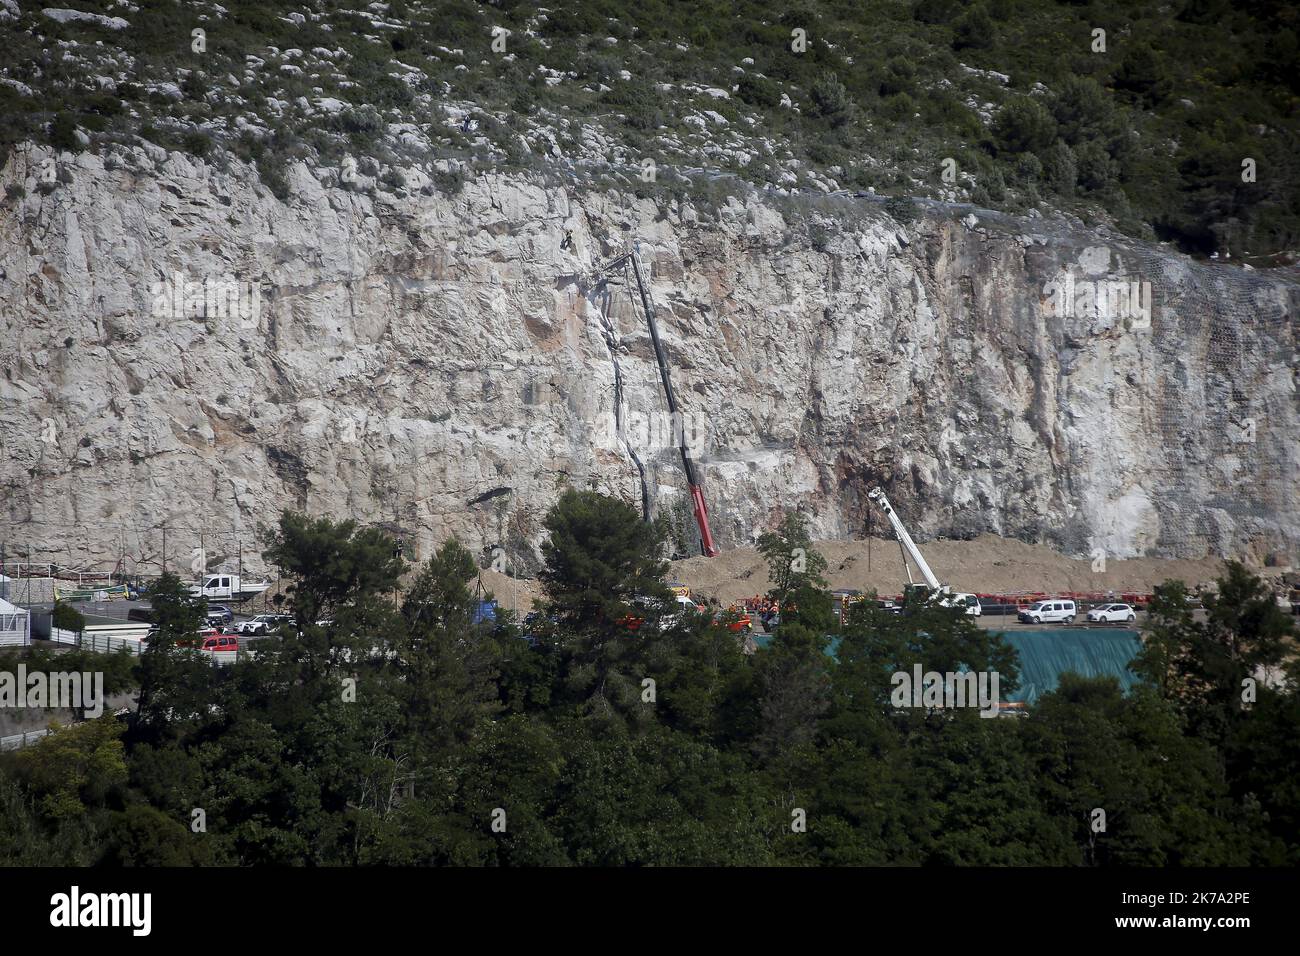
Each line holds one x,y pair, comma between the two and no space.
227,586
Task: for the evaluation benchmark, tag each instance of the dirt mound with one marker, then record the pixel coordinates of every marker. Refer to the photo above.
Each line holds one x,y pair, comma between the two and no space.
985,565
513,594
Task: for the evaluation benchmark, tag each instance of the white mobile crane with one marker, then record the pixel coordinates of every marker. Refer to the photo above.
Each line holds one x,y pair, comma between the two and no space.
906,545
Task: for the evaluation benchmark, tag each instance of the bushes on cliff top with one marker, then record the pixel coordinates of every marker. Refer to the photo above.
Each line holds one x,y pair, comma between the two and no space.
1166,79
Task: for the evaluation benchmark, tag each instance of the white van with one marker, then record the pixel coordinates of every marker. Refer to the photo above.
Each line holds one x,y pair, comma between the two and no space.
1055,611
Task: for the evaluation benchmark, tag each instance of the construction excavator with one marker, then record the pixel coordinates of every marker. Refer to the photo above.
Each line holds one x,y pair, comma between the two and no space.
701,510
945,594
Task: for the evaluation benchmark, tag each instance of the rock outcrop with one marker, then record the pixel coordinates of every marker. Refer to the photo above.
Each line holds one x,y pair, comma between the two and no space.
449,364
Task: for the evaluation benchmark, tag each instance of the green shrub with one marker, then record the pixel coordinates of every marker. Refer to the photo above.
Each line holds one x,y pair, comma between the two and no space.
67,618
571,22
936,11
1143,74
361,119
63,133
270,168
197,143
830,99
995,185
899,76
105,104
1060,167
901,209
195,86
1023,125
900,107
974,30
637,103
759,91
1095,169
449,182
1083,110
1029,168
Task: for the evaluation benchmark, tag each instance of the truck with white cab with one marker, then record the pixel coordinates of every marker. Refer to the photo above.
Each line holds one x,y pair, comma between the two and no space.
227,587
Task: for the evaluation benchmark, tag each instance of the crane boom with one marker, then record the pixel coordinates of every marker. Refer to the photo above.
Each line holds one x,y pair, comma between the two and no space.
904,539
707,546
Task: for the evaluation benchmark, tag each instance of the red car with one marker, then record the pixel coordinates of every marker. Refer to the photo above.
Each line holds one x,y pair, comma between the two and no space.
200,638
222,642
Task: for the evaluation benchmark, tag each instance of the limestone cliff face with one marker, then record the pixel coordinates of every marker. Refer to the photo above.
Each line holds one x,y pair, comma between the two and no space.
449,364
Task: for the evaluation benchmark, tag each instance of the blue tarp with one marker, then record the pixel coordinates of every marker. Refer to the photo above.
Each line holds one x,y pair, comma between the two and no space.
1046,655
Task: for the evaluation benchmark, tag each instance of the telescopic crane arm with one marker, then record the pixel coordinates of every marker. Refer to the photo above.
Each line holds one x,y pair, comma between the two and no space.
904,539
661,357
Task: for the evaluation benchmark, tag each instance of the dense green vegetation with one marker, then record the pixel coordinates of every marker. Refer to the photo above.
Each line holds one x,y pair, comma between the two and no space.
398,732
1150,133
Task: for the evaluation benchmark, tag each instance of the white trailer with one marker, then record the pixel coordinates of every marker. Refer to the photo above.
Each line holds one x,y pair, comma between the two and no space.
947,597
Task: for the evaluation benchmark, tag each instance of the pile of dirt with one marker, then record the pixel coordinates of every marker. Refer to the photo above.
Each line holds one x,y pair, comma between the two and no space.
513,594
986,565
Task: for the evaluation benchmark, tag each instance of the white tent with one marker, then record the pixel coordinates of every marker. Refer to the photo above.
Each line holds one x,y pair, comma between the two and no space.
15,624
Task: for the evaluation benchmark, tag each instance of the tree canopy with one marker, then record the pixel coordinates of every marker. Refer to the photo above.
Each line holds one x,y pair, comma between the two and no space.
395,725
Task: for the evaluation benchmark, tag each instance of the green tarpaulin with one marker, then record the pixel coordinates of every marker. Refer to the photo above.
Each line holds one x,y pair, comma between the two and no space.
1046,655
1091,652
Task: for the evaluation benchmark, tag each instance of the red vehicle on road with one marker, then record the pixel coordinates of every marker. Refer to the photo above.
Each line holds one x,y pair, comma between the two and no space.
221,642
201,636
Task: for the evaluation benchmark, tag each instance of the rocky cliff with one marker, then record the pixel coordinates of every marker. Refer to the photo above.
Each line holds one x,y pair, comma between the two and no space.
180,348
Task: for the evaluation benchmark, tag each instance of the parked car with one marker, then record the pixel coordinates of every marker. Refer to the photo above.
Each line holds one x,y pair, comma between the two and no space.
679,610
144,614
221,611
1048,612
199,638
221,642
1112,612
264,624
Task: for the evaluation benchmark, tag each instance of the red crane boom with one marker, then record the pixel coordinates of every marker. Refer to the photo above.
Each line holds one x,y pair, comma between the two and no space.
707,547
